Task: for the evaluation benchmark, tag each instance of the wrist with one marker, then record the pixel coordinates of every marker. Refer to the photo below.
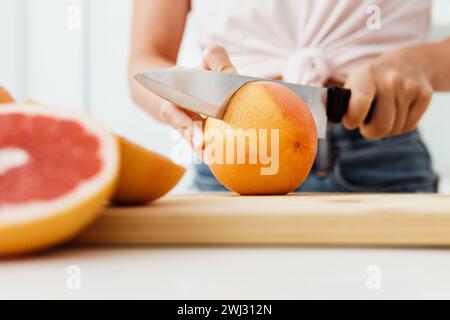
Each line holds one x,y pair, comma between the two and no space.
436,65
423,57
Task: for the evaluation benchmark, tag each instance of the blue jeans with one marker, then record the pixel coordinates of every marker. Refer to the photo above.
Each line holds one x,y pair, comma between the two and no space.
353,164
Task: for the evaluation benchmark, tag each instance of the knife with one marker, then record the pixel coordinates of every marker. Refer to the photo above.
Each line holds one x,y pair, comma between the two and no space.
208,93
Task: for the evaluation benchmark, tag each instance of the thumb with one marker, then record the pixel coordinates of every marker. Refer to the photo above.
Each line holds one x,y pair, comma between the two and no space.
216,58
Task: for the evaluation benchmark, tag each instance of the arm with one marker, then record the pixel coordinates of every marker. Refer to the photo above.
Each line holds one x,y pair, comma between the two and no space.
157,30
403,82
440,63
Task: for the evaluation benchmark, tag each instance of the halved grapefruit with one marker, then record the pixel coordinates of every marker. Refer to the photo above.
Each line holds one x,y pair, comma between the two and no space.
57,170
145,176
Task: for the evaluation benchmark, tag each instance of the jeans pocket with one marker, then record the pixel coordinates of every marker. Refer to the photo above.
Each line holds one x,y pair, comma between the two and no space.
204,180
395,165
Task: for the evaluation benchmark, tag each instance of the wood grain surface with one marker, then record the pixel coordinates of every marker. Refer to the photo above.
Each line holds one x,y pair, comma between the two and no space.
303,220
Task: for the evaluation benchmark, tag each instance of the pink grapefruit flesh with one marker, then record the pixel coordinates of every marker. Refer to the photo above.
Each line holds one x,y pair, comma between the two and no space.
57,170
52,169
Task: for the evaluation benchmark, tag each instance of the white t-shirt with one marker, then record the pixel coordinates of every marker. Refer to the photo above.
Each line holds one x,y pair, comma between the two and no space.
309,41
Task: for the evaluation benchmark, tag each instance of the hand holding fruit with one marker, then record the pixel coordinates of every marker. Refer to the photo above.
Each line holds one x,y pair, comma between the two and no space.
215,58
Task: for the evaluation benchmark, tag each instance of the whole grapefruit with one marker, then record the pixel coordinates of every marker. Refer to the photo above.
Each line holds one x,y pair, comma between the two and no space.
266,143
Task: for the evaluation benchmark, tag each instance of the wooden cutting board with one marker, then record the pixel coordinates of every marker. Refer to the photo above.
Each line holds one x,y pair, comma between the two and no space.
225,219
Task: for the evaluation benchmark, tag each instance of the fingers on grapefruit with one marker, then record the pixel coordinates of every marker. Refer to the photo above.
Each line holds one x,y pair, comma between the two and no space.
144,176
58,168
279,136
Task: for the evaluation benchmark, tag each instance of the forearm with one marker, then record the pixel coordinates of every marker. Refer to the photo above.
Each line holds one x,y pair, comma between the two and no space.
440,65
432,60
157,30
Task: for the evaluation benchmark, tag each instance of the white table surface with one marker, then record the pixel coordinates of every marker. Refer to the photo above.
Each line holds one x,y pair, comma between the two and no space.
228,273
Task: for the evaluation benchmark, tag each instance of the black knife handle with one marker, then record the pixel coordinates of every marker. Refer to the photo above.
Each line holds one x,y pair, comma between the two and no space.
337,105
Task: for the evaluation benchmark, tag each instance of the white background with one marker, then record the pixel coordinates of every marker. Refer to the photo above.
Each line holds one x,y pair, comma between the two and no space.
42,57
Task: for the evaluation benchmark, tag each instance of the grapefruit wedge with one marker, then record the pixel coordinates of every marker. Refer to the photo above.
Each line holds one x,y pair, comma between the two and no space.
58,168
5,97
144,175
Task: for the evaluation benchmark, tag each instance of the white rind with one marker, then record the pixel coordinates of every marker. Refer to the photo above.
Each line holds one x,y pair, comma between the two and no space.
109,154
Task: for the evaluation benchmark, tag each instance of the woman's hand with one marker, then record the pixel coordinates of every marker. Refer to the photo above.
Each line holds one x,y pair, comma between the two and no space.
215,58
402,82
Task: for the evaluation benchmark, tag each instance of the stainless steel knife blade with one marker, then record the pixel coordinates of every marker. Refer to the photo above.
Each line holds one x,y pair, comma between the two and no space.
208,92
